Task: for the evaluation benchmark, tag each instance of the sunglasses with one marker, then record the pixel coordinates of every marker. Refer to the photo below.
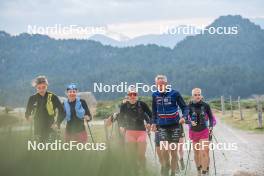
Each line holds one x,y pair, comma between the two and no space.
196,95
132,94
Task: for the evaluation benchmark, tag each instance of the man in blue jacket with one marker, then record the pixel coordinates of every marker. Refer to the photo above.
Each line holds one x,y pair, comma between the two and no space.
166,104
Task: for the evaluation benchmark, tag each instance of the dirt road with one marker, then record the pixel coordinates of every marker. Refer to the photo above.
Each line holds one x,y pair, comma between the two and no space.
247,160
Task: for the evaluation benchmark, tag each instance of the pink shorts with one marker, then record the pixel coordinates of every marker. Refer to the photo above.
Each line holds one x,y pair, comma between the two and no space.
197,136
80,137
135,136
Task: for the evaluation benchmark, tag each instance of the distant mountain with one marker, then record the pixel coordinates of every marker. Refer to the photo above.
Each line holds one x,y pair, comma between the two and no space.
165,40
258,21
103,39
226,63
3,34
219,64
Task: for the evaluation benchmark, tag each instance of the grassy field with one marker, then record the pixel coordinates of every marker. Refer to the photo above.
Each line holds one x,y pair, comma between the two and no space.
249,123
17,160
7,119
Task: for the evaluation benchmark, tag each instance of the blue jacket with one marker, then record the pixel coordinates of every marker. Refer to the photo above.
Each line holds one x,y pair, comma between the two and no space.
165,108
80,112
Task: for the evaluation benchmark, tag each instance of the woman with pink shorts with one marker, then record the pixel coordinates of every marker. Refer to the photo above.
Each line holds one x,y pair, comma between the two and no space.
134,121
199,131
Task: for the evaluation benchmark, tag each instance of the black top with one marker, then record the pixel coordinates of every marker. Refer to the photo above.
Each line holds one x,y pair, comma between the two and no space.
76,125
132,116
199,109
37,106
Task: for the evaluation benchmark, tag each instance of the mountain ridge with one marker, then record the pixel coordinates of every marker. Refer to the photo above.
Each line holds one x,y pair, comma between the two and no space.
219,64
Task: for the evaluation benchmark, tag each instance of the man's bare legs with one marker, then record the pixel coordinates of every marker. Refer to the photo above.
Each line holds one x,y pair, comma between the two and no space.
174,161
180,150
165,161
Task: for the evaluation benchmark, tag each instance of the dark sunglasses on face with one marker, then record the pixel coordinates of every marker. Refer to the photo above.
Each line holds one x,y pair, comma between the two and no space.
196,95
132,94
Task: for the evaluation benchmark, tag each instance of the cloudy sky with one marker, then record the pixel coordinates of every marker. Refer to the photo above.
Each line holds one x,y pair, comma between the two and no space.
127,17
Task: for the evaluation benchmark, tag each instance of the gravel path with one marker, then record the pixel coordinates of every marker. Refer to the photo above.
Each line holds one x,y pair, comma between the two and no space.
247,160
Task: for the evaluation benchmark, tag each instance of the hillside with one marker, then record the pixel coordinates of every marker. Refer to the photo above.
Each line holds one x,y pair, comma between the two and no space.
220,64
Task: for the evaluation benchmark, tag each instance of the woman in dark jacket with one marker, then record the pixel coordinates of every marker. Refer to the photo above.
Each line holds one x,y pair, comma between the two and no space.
199,132
135,118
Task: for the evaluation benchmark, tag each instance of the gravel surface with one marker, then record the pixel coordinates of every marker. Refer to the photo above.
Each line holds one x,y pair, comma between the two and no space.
246,160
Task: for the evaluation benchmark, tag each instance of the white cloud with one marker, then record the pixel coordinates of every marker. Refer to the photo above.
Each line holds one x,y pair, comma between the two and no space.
130,17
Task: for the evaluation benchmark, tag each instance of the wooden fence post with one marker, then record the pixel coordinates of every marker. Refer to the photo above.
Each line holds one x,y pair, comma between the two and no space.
259,108
223,105
231,106
240,109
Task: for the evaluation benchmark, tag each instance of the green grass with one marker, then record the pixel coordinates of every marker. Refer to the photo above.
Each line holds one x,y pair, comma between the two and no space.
17,160
106,108
98,133
7,120
249,123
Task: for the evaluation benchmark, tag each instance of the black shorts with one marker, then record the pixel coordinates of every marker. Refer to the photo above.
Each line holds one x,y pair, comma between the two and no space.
172,135
157,139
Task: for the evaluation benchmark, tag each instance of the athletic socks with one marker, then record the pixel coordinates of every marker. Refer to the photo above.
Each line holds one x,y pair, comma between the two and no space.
177,173
204,173
199,170
182,164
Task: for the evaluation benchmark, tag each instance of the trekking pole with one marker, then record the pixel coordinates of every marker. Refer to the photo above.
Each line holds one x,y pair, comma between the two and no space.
210,139
112,128
106,131
90,131
184,135
57,133
214,162
155,155
218,143
31,129
152,148
151,145
188,158
114,121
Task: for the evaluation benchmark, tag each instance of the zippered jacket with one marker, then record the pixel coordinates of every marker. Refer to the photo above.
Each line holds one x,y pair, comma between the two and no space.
166,106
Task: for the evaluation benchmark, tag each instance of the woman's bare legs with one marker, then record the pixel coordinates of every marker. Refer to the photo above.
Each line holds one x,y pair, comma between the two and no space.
197,158
204,154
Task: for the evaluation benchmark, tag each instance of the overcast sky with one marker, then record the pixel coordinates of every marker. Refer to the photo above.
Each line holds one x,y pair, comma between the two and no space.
128,17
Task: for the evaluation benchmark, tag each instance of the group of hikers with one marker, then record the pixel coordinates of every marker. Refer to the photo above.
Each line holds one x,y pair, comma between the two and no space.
48,112
136,121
